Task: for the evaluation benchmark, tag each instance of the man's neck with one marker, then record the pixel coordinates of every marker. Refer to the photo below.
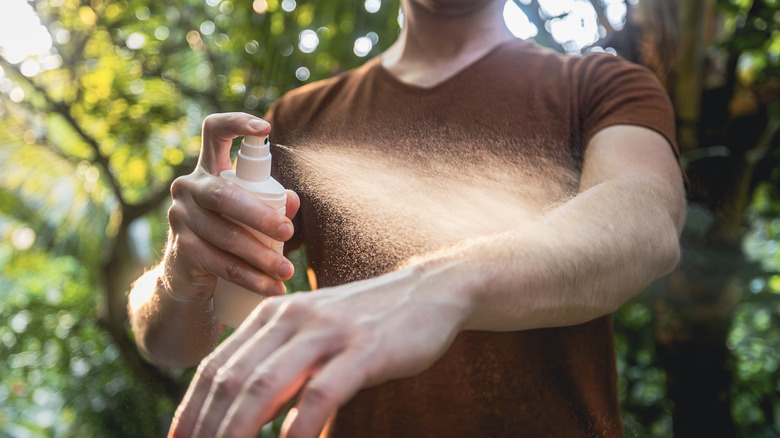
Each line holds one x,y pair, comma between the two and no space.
434,46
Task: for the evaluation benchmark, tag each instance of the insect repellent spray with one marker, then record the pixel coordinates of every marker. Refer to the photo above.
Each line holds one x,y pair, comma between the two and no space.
233,303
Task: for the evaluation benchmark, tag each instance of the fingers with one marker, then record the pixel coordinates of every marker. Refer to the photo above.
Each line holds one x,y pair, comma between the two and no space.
258,385
218,132
263,374
188,412
195,256
209,243
269,386
235,239
226,199
327,391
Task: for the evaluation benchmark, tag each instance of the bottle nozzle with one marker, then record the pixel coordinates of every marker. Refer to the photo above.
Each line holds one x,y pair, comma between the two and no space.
255,146
254,159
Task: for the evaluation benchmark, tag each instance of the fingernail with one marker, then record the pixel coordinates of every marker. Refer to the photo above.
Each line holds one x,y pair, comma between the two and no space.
286,271
258,124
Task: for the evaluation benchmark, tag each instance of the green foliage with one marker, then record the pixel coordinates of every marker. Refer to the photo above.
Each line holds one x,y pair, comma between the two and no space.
753,32
755,334
641,380
87,154
61,372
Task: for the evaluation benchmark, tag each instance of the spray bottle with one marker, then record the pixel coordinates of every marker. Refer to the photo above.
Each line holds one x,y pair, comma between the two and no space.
233,303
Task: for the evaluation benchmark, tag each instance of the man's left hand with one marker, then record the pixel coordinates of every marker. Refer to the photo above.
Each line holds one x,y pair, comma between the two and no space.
318,350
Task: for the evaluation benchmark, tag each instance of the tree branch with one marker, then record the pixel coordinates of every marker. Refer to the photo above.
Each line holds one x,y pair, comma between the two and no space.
764,144
133,212
62,109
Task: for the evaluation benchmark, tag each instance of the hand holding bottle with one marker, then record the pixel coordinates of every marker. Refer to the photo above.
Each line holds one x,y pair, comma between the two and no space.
205,242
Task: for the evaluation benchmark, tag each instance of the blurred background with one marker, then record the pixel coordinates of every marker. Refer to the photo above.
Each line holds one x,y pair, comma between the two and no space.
101,104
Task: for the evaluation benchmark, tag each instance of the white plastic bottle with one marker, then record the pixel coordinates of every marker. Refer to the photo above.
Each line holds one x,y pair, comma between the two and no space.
233,303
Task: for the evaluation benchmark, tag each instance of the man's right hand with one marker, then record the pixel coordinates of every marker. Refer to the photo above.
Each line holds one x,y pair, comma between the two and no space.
202,243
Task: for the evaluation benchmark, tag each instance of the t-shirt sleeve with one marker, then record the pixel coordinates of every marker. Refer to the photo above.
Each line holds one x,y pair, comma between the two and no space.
613,91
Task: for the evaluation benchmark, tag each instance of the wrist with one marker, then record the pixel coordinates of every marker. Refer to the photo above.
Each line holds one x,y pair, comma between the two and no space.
182,287
452,282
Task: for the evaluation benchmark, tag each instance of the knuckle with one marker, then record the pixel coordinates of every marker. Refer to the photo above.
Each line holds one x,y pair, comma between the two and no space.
234,117
294,309
234,272
268,285
320,393
232,236
267,309
259,316
210,121
187,242
225,197
261,383
208,370
217,120
178,187
175,214
227,383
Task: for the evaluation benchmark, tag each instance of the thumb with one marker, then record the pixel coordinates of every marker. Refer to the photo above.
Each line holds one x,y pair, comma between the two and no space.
219,130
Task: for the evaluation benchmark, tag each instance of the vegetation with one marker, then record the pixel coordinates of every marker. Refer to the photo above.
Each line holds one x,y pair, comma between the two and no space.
93,131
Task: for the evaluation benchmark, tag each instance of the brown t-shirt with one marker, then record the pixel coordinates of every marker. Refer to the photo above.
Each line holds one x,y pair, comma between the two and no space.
526,108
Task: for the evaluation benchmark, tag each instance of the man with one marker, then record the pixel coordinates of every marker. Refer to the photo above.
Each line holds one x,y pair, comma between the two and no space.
506,334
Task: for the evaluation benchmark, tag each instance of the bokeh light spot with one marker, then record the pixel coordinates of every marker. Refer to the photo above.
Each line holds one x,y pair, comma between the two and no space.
62,36
142,13
289,5
30,68
373,6
251,47
302,73
308,41
16,94
23,238
135,41
29,136
363,46
161,33
207,27
20,321
21,32
260,6
226,7
518,22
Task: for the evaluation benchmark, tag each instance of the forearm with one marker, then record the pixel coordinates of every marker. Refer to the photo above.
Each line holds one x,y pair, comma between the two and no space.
580,261
170,331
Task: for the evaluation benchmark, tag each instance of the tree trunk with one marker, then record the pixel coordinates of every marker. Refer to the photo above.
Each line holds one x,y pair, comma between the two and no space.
693,315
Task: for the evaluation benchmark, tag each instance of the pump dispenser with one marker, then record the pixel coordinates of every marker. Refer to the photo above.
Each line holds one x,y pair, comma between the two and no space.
233,303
